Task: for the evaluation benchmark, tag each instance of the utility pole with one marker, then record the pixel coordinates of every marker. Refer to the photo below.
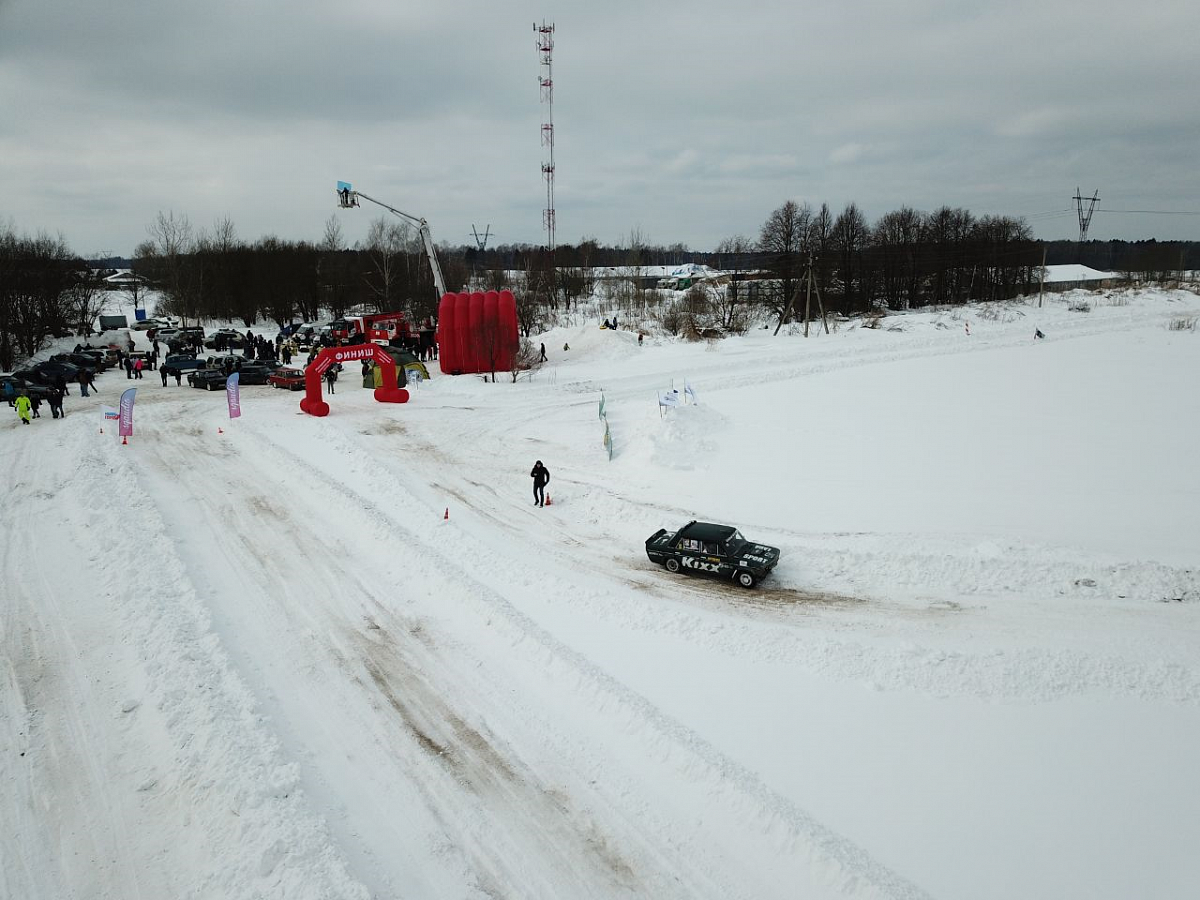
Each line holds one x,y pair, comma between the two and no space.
481,242
1042,285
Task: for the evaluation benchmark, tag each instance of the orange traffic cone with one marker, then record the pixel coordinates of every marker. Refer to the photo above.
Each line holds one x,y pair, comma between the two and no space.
124,440
102,429
447,515
219,431
548,500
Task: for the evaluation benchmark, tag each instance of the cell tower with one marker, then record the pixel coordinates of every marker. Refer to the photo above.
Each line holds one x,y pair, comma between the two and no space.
545,46
1085,219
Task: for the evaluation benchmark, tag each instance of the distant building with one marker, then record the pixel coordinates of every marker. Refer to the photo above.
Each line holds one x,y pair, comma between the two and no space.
1074,277
123,279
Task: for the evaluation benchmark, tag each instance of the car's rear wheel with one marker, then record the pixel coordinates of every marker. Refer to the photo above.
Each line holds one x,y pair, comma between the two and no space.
672,565
745,579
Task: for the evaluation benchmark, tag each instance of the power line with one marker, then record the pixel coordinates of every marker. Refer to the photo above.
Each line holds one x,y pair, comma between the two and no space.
1153,212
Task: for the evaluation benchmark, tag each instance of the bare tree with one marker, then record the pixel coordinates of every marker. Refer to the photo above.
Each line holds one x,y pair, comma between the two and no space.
85,299
639,246
850,236
528,358
171,241
731,253
783,241
36,276
387,241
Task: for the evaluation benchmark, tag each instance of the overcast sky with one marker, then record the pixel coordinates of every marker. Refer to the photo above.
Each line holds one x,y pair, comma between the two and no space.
687,121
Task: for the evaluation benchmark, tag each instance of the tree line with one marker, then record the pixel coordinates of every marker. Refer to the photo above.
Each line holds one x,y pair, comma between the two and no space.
905,259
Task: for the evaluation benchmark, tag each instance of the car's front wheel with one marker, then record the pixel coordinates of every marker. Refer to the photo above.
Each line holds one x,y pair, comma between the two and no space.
745,579
672,565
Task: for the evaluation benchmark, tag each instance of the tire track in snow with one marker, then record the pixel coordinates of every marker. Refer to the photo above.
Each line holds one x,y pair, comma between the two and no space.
788,825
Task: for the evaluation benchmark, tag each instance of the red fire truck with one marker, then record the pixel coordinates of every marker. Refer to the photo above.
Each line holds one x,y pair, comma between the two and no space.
379,328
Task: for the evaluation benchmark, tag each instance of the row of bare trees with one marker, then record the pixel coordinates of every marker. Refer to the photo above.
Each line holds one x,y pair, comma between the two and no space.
906,259
215,275
45,291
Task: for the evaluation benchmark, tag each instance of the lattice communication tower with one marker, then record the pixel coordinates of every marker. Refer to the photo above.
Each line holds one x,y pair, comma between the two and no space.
545,46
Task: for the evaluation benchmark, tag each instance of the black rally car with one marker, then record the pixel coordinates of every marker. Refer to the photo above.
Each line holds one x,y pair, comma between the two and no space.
714,550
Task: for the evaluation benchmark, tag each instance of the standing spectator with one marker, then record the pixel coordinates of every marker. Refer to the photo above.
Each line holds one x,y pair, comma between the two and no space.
56,404
35,404
83,383
287,354
163,372
330,379
128,367
137,367
541,477
22,405
178,373
60,382
543,353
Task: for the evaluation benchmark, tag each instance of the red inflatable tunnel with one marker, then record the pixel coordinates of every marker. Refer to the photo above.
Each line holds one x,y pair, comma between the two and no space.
477,333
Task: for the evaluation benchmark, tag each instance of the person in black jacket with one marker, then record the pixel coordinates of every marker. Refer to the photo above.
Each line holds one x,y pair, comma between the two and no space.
541,477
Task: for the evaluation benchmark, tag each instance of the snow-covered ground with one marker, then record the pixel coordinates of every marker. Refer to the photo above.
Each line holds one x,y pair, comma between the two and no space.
262,662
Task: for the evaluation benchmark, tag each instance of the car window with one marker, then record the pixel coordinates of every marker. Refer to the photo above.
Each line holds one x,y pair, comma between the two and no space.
710,548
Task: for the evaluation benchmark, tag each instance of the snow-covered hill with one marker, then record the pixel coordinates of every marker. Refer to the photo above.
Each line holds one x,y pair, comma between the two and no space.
347,657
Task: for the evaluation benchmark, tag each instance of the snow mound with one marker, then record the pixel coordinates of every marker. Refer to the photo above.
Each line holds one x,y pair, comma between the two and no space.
688,437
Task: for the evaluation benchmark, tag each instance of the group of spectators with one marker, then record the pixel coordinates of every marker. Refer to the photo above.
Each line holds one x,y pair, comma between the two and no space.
28,404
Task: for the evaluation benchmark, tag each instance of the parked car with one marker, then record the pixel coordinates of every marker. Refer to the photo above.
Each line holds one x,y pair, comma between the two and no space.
227,338
32,389
47,372
209,379
291,379
182,363
226,362
100,359
255,372
79,360
148,324
719,550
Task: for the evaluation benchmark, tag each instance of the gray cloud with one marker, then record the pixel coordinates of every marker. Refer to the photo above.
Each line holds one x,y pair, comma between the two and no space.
688,121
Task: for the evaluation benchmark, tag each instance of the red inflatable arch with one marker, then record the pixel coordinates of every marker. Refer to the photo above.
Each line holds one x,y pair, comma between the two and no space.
314,405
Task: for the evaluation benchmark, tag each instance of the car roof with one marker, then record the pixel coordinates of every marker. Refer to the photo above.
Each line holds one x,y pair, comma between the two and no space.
706,531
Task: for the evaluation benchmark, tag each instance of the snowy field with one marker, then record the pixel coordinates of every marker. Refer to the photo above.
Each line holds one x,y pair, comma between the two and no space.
262,663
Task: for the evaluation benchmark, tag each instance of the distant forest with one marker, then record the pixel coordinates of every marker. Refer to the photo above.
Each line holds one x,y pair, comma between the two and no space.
1107,256
904,260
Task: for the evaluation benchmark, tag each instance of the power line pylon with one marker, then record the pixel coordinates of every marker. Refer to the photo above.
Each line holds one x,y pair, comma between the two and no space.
481,242
1085,219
